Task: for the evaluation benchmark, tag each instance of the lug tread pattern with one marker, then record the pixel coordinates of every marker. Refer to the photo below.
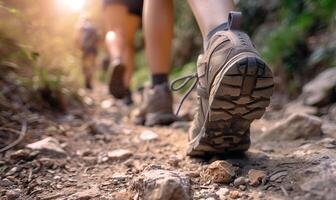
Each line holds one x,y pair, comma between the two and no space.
240,95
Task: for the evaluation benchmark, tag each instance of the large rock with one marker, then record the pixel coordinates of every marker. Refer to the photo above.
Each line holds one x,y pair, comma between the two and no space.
321,187
161,184
296,126
48,146
321,90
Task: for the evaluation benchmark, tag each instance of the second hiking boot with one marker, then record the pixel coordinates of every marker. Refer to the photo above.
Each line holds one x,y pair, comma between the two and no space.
234,88
116,79
156,107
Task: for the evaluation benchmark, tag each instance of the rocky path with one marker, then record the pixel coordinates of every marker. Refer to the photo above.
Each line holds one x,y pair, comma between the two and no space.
99,154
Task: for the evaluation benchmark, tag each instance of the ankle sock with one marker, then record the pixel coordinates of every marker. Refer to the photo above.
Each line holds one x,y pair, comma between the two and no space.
221,27
158,79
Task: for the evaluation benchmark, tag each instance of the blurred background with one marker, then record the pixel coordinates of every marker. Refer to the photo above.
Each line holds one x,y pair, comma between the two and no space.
38,55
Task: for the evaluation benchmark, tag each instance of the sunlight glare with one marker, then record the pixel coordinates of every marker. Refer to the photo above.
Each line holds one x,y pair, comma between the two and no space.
75,5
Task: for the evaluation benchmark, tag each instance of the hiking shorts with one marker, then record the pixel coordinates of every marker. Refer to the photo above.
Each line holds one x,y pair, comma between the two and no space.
134,6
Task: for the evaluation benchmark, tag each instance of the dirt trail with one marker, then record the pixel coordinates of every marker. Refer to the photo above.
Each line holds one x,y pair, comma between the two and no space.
90,168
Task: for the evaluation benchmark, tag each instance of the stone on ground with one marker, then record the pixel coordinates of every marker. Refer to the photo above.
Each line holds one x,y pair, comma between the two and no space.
256,176
148,135
219,171
296,126
240,181
319,91
161,184
23,154
13,194
222,193
119,154
48,146
321,187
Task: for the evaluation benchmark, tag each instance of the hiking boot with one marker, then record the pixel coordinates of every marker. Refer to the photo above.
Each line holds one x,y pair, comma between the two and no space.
128,98
156,107
234,88
116,84
88,84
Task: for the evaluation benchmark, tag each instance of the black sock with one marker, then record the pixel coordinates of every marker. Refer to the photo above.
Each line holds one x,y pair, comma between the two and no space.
158,79
221,27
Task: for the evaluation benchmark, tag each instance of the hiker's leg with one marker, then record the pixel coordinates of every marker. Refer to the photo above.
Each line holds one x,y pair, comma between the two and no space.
115,20
89,69
210,13
133,23
158,28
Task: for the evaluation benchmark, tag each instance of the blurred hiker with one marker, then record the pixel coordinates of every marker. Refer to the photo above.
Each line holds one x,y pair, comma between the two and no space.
87,40
122,20
234,85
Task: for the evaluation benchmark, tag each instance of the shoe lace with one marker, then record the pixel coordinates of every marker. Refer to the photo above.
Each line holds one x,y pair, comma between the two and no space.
175,86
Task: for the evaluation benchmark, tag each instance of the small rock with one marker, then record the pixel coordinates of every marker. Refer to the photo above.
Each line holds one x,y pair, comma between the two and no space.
234,194
106,103
13,194
296,126
21,154
256,176
174,161
119,177
87,194
148,135
49,146
278,174
320,90
5,182
239,181
86,152
222,193
219,171
242,187
13,171
162,185
101,127
119,154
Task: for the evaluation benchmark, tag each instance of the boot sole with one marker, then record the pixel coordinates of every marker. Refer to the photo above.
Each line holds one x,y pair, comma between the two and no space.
240,94
116,85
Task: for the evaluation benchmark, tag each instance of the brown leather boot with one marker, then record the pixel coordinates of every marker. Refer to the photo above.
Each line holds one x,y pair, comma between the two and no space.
234,88
156,107
115,83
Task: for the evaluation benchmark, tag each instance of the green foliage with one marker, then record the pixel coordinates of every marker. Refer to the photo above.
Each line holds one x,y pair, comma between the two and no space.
298,21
